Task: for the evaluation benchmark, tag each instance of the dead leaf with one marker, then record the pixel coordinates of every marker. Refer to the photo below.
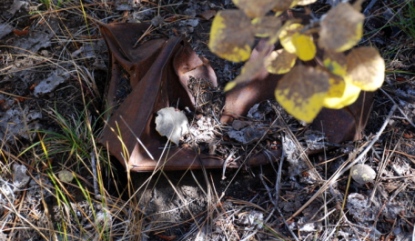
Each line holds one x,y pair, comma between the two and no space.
260,87
47,85
20,177
5,29
248,134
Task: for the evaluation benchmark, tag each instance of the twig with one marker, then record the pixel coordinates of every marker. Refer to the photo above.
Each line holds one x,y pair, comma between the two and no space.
286,224
94,176
399,108
278,179
261,177
226,162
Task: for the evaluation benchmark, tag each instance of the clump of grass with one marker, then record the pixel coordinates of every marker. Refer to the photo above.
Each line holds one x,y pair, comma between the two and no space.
405,18
81,207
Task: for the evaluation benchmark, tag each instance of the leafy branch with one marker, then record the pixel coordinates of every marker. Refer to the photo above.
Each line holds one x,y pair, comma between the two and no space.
319,67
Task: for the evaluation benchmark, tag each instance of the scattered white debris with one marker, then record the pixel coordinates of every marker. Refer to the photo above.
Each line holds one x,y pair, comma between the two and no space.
49,84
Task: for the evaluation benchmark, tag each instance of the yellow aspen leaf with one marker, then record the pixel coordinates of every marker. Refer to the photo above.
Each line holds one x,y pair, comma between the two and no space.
266,26
302,91
296,43
341,28
231,35
229,86
280,62
254,66
256,8
287,31
337,86
350,95
282,5
366,68
304,46
335,63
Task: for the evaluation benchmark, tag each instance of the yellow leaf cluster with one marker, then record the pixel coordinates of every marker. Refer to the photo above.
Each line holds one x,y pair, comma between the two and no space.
297,43
364,70
317,73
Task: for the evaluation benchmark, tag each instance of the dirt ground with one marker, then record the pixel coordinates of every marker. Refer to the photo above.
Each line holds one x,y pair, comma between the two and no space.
54,66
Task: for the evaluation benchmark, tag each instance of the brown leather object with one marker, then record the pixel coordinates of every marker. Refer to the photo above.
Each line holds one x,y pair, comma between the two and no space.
159,72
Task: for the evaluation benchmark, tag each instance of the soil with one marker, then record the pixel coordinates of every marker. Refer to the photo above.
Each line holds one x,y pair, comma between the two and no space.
53,60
